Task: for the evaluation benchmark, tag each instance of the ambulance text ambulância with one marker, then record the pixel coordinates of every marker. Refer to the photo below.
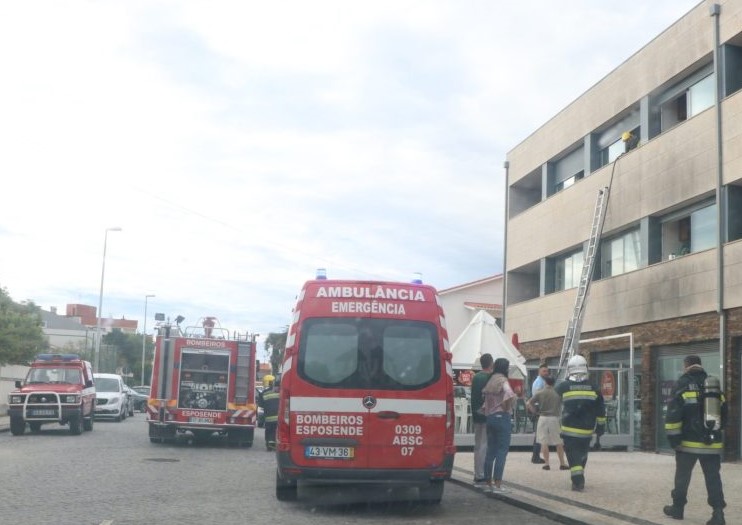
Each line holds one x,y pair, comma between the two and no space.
375,294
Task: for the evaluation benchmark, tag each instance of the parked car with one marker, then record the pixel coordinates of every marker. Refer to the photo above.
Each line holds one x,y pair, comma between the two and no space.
112,401
140,396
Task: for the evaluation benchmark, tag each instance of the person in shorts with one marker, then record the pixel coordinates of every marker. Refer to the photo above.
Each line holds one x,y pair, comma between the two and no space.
547,432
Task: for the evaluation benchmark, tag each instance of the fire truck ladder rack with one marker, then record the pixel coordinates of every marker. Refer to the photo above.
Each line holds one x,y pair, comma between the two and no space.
244,369
572,337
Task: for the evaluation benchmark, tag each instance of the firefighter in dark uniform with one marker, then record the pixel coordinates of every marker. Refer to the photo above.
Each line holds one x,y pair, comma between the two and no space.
583,413
269,402
696,415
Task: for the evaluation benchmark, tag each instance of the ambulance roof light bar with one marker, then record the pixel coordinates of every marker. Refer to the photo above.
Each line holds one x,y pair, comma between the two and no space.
321,274
57,357
417,278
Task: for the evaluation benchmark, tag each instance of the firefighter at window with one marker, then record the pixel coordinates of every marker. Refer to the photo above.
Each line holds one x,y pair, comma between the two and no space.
630,140
583,413
696,415
268,400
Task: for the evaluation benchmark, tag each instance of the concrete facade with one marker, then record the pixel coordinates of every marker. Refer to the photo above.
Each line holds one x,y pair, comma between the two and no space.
688,159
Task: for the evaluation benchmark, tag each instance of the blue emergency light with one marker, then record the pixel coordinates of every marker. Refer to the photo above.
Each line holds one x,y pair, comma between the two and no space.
321,274
57,357
417,278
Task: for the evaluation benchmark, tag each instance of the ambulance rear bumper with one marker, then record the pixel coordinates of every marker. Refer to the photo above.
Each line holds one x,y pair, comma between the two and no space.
289,471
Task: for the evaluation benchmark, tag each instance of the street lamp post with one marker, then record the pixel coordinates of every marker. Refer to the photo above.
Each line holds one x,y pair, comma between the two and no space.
144,334
100,298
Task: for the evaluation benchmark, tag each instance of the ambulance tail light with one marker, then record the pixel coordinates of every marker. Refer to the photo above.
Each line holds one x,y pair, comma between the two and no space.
286,411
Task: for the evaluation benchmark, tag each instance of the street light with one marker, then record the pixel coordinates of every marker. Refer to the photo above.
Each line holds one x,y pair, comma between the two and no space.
144,334
100,298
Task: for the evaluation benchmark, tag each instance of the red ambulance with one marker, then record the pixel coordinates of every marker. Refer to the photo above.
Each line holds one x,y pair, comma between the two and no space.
366,389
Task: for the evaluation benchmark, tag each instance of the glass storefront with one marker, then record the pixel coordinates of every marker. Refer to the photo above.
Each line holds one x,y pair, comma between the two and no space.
669,369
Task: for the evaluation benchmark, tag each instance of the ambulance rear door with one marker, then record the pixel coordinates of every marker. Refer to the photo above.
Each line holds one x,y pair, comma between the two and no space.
407,401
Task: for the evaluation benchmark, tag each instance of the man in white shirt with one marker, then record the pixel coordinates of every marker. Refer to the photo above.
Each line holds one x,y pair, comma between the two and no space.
537,385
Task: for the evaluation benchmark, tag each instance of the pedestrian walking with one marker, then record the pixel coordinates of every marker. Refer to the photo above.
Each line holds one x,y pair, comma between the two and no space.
696,416
498,407
583,413
547,405
480,420
538,384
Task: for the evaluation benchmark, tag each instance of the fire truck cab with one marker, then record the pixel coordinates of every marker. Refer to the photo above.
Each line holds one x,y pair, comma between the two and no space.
58,388
203,382
366,389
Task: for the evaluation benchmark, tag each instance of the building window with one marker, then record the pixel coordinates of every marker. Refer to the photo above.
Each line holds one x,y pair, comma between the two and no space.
569,182
568,170
690,231
620,254
567,271
689,101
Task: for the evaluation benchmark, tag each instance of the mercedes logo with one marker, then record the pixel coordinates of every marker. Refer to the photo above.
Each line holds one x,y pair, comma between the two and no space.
369,402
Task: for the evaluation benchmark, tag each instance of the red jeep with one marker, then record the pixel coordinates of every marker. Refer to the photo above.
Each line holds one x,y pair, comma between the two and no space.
59,388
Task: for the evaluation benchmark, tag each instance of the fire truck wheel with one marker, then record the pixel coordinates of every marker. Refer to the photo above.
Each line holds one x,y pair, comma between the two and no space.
432,494
87,423
75,425
17,426
285,490
35,426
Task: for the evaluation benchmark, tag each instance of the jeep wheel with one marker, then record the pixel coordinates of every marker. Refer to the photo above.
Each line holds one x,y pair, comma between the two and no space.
75,423
87,423
17,426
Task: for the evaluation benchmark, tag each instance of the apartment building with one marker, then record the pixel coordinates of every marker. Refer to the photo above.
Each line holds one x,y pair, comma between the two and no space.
668,267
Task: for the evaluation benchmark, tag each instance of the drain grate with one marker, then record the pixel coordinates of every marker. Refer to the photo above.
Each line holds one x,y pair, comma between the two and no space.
162,460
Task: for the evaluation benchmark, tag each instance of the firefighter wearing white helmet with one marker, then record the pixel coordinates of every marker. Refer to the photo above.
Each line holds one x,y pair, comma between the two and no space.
583,413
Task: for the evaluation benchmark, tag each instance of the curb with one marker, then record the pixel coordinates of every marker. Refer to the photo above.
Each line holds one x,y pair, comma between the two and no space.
525,504
559,509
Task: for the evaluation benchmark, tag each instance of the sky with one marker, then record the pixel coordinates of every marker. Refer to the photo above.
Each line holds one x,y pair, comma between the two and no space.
241,145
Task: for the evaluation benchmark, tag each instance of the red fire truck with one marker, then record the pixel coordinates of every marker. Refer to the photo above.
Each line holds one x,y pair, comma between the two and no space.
203,382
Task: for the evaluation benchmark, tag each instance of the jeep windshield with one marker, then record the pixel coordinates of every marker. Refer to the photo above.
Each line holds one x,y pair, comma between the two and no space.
53,375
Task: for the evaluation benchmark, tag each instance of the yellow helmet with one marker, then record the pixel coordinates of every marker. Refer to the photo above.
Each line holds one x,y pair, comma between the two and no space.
268,381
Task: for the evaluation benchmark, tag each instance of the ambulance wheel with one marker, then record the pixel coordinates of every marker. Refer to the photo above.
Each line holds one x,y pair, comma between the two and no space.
433,493
35,426
285,490
17,426
75,423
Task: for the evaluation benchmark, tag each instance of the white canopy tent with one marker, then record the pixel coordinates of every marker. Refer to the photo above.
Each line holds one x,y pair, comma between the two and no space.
481,336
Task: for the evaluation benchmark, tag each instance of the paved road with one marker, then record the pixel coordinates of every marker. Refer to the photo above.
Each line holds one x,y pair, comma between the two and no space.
115,476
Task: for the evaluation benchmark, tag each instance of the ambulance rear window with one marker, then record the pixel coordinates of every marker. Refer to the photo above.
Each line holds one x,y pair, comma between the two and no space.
369,353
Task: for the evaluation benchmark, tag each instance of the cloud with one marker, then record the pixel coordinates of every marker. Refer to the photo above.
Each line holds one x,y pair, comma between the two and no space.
241,145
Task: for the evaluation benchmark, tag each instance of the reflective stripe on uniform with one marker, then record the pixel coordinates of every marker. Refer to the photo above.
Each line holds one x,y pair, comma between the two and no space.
580,394
576,432
694,447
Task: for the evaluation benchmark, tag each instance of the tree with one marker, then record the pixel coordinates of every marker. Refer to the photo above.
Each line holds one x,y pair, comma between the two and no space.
275,345
123,351
21,333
